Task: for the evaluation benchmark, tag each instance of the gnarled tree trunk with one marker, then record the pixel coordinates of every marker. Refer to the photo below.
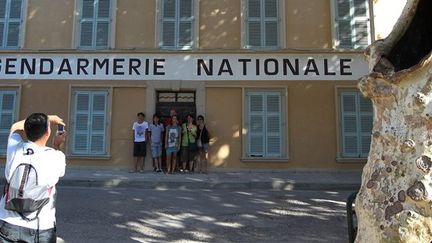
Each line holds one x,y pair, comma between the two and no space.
394,203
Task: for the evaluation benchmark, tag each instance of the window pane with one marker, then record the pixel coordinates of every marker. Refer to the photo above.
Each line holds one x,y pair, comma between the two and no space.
80,143
99,102
256,145
8,102
168,34
366,124
365,143
102,34
83,102
343,7
1,33
3,141
350,146
349,102
86,33
273,145
273,124
350,124
360,8
254,8
365,104
13,34
169,9
15,9
345,33
88,8
6,121
81,122
273,103
362,33
271,33
254,33
185,8
185,34
256,124
271,8
97,144
98,123
104,9
256,103
2,8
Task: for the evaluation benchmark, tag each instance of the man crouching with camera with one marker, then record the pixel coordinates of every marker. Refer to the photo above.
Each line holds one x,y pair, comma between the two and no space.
27,207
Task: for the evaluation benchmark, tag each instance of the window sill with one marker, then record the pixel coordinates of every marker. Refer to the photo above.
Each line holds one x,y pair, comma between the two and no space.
351,160
264,160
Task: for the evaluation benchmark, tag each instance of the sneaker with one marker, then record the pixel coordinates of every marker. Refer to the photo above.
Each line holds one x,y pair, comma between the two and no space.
181,170
159,170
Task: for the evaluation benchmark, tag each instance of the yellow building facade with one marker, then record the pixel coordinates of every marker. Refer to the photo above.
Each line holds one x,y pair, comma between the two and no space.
274,79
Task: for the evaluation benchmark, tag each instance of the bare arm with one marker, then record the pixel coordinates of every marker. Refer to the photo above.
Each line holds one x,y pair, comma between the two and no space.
18,127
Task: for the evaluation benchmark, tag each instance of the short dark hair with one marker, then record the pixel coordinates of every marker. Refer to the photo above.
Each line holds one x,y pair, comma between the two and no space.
35,126
200,117
140,114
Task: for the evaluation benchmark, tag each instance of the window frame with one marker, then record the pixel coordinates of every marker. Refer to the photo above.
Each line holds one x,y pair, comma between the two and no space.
283,95
335,26
21,33
281,27
111,28
195,26
72,121
17,91
339,89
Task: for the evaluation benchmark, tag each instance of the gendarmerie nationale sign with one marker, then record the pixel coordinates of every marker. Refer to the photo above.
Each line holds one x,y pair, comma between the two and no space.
113,66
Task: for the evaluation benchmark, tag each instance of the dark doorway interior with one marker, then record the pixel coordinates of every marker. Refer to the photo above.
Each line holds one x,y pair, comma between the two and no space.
183,102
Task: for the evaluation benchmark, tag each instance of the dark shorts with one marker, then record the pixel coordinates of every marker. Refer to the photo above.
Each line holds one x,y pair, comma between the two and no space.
14,233
187,155
139,149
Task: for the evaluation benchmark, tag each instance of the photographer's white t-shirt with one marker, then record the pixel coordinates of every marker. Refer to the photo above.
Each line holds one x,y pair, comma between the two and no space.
50,165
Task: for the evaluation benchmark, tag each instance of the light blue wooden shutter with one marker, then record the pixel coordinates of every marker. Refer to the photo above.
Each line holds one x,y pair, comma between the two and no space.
10,23
256,125
87,16
185,23
7,116
90,123
273,125
356,119
98,123
353,23
95,24
254,23
262,23
264,124
81,126
271,23
177,24
103,23
366,124
169,23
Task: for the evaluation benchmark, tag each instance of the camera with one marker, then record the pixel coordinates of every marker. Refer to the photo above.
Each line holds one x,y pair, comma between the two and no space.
60,129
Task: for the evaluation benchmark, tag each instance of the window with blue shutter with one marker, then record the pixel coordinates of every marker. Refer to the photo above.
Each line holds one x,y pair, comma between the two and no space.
353,23
95,24
89,124
7,116
11,12
262,23
177,24
356,124
264,124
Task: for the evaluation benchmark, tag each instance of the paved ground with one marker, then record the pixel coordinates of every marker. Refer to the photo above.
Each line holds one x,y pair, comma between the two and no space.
200,215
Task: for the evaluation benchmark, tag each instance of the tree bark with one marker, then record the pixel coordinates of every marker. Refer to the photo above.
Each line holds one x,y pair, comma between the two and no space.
394,203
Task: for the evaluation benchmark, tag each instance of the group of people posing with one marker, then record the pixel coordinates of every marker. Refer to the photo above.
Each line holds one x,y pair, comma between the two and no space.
188,140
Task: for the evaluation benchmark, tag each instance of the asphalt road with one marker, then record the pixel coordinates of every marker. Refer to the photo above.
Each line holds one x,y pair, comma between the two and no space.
141,215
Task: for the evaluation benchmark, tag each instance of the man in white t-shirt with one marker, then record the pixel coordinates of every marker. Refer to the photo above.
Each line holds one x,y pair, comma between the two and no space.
33,133
140,128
